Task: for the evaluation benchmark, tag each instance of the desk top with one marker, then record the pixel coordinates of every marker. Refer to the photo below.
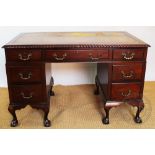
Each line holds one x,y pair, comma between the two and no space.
75,40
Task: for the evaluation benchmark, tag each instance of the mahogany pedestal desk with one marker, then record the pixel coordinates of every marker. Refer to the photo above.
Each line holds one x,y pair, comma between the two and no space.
120,58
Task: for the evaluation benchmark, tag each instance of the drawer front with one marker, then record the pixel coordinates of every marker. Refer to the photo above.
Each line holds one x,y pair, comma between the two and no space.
128,72
57,56
125,91
24,74
128,54
27,94
90,55
76,55
23,55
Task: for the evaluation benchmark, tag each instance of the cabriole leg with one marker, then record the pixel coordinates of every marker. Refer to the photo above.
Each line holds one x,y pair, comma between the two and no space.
96,92
51,91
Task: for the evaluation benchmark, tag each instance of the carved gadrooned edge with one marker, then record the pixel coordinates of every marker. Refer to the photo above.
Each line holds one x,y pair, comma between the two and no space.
75,46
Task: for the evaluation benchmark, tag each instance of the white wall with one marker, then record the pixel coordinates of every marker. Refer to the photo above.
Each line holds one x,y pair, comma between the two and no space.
77,73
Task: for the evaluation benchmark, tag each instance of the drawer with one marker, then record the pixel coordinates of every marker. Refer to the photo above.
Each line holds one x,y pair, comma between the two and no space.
76,55
128,54
27,93
125,91
24,74
127,72
90,55
57,55
23,55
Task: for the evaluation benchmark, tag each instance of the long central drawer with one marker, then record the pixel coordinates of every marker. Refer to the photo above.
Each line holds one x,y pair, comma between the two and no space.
76,55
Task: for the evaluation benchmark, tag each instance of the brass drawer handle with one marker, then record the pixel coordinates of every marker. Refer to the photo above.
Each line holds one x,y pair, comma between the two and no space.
25,57
60,59
126,94
127,76
92,58
23,77
128,56
26,97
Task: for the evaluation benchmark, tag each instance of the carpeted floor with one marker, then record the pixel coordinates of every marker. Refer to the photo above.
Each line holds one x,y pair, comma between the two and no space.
77,107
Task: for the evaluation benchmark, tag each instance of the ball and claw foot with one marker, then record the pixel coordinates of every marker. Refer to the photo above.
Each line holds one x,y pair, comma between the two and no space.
105,120
47,123
14,123
138,120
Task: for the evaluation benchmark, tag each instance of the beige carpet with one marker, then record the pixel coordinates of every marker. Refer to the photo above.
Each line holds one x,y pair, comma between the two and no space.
77,107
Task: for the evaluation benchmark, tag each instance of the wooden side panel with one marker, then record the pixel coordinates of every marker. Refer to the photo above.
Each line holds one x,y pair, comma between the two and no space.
102,75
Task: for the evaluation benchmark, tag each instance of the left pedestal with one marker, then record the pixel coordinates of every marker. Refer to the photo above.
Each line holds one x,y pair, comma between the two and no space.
29,82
